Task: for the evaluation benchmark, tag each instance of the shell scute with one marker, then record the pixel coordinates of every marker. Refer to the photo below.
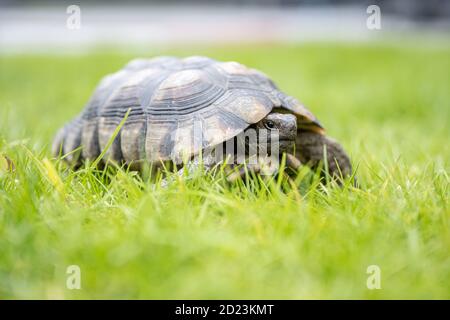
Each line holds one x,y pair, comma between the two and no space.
178,107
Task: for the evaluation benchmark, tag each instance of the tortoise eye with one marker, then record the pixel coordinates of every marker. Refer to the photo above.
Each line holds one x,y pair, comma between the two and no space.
269,124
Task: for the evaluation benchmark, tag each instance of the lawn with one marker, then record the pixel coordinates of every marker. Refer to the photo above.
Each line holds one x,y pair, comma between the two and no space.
201,238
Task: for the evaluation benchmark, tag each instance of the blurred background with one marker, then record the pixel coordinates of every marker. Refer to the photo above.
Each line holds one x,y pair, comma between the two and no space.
43,25
382,90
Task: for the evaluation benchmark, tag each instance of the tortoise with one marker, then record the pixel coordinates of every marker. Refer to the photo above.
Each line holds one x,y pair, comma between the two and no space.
168,100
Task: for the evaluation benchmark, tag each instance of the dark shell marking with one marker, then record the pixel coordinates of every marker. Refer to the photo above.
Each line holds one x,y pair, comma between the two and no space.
167,96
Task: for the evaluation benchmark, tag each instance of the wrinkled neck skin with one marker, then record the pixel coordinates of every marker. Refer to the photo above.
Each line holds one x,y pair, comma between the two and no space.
310,150
306,145
285,143
309,147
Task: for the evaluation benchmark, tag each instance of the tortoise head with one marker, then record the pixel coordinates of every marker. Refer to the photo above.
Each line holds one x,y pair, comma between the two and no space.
285,125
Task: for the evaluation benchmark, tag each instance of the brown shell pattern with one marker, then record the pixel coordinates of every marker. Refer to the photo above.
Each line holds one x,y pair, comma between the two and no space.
177,108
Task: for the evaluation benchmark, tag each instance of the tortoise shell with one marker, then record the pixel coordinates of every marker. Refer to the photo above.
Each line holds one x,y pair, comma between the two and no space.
167,98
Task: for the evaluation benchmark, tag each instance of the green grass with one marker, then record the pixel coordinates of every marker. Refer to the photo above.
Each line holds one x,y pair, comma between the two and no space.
201,238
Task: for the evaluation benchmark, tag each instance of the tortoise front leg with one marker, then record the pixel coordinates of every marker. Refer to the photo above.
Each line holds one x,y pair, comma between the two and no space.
240,174
291,162
190,168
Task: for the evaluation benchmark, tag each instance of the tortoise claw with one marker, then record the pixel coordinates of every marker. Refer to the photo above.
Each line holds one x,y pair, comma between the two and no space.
292,162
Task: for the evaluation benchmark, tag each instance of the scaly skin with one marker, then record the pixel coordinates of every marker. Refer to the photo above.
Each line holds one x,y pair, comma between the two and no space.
310,151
